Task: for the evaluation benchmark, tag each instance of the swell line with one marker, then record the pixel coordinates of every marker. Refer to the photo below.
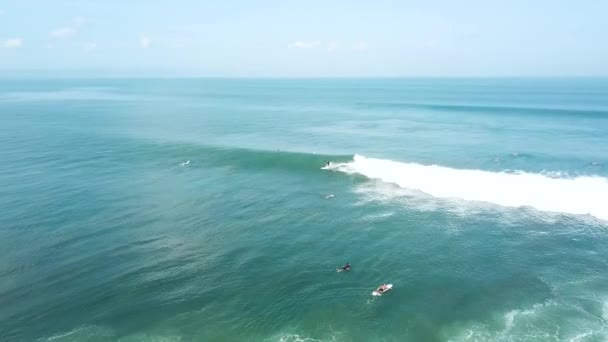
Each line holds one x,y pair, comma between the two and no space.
489,109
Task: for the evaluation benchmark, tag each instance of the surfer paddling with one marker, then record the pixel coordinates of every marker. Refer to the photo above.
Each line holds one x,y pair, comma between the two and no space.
382,288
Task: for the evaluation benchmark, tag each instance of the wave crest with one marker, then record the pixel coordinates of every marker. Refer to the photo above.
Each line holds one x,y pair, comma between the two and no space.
582,195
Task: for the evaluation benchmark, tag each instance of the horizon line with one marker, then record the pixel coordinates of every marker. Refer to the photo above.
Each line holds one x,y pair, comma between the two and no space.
180,75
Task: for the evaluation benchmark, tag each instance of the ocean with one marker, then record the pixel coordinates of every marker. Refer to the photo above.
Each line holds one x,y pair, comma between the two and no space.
203,209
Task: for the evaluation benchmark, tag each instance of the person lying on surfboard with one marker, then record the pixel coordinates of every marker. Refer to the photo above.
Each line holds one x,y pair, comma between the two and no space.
382,288
346,267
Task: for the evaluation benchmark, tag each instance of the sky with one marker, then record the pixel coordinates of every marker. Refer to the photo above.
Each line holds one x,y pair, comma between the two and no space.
312,38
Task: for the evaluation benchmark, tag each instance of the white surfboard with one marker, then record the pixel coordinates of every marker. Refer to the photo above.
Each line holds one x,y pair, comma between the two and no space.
388,288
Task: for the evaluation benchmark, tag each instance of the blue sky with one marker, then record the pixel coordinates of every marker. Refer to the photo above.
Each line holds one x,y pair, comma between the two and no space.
307,38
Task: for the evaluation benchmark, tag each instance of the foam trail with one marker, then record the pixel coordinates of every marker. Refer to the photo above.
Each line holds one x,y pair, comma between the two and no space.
581,195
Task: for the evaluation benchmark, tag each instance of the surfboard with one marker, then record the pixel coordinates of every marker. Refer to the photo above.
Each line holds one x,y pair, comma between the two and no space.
376,293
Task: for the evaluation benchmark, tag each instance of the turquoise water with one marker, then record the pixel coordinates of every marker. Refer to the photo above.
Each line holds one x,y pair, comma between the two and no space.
198,210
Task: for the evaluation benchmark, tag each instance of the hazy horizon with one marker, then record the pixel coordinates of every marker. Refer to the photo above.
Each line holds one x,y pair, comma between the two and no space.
179,74
276,39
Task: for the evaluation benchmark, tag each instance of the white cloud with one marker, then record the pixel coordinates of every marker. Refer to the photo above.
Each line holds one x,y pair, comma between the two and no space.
68,31
360,45
13,43
331,46
145,42
64,32
303,45
90,46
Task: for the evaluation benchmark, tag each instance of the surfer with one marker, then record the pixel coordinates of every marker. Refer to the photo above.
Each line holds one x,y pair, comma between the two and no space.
327,163
382,288
346,267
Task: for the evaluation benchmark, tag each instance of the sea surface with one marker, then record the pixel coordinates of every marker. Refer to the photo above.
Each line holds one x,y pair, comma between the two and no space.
203,209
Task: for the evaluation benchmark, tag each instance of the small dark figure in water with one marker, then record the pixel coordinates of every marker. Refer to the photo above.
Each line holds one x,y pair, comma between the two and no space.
382,288
346,267
326,163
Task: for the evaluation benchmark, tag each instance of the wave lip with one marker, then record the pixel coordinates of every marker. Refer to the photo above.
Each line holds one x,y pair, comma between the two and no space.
579,196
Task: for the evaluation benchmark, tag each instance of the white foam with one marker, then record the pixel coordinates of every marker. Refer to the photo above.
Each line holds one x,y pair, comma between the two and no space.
583,336
580,196
296,338
555,174
605,311
547,321
509,319
144,337
86,332
102,333
299,338
511,315
378,216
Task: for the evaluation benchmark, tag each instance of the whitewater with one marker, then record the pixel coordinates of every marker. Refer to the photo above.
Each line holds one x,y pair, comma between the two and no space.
583,195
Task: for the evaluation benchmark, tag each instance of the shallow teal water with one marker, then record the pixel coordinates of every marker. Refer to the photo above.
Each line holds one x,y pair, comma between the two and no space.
197,210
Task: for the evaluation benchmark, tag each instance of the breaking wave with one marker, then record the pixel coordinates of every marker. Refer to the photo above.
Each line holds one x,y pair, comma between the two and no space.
580,196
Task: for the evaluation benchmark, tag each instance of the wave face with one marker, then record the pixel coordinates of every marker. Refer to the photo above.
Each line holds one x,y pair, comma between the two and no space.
581,195
448,108
246,159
